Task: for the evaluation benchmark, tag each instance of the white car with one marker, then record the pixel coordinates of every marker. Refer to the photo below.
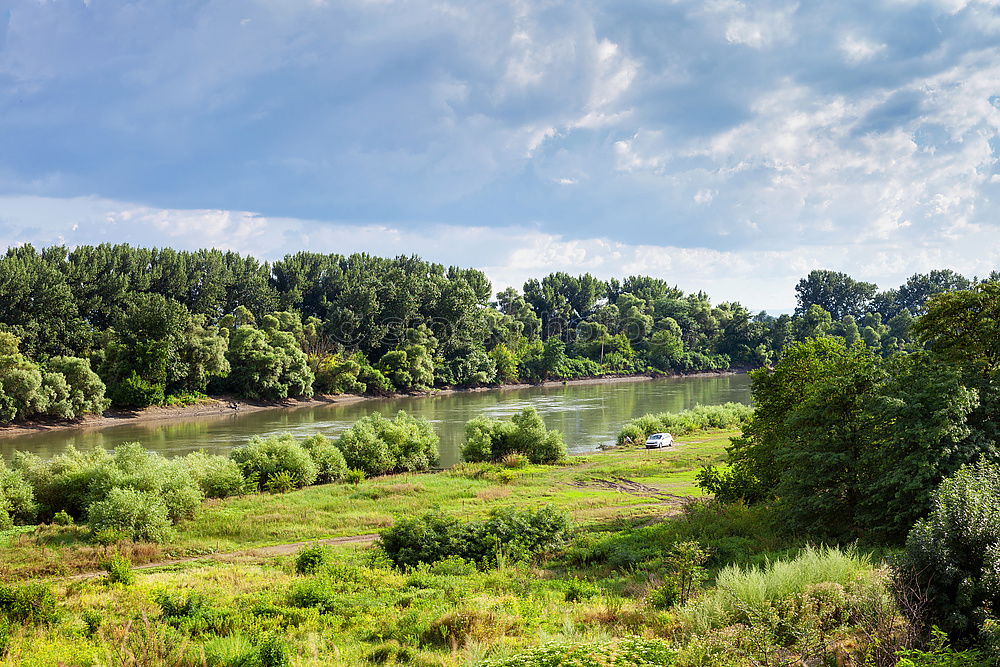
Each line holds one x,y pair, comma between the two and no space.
658,440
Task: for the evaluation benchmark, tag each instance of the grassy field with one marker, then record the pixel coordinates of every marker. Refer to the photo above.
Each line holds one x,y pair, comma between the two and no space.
592,489
607,598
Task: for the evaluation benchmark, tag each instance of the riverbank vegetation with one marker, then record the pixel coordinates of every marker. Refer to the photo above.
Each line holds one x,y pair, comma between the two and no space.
609,559
851,519
139,327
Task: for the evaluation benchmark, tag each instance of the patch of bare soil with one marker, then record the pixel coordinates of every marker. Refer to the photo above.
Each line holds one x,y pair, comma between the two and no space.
631,487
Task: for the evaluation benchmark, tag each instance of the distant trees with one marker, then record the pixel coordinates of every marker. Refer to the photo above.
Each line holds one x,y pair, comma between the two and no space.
835,292
156,323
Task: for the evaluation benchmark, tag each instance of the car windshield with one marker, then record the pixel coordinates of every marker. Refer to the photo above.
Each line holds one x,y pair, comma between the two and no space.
655,437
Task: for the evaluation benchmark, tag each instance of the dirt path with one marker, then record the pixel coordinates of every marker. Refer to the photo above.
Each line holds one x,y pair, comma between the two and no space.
623,485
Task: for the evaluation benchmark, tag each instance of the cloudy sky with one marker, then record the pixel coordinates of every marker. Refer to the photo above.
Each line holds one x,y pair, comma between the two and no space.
723,145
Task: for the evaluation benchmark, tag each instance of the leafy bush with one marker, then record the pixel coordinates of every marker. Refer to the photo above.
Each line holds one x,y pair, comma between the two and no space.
75,480
62,518
627,652
953,555
354,476
262,459
86,390
578,590
379,446
506,533
132,466
311,558
191,605
329,461
135,392
699,418
939,654
143,516
280,482
514,460
119,569
216,476
28,604
492,439
273,651
268,364
17,500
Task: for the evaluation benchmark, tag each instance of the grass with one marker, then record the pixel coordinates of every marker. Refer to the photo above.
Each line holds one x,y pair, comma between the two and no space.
342,510
596,598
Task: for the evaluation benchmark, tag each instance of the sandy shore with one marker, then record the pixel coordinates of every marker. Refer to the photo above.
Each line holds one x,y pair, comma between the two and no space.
227,405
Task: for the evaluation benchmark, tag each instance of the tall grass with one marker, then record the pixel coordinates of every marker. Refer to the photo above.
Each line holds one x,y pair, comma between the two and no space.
740,592
698,418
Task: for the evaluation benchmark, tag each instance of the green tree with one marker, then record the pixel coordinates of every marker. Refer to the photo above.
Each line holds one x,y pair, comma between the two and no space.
37,304
268,365
952,557
835,292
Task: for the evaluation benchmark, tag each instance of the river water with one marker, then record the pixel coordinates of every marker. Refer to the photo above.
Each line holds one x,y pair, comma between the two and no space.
588,415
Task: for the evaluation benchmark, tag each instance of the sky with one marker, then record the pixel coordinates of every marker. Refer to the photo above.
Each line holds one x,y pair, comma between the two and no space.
724,146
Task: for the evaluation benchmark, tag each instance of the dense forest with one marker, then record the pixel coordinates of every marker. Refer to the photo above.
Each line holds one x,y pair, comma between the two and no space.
86,327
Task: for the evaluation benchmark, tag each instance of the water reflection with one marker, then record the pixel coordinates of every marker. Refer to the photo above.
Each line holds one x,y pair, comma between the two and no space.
588,415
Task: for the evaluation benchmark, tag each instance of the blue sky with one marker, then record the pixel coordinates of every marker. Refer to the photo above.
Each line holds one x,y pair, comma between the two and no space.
722,145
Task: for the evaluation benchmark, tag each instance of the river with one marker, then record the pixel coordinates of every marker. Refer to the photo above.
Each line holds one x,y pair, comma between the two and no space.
588,415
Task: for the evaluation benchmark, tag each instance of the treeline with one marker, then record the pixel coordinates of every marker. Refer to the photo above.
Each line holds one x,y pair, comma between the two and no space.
151,326
847,445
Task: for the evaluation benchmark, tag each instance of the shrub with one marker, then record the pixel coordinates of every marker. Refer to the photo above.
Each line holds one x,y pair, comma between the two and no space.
311,558
699,418
119,569
742,594
379,446
504,476
280,482
86,390
135,392
939,654
28,604
627,652
61,482
273,651
425,539
133,467
74,480
62,518
17,500
492,439
191,605
952,555
514,460
92,621
506,533
141,515
354,476
578,590
216,476
330,463
262,459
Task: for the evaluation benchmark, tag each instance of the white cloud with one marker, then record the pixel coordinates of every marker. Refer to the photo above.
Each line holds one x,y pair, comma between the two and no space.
857,49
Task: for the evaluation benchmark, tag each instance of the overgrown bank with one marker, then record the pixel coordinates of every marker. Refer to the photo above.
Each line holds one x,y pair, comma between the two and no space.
137,327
